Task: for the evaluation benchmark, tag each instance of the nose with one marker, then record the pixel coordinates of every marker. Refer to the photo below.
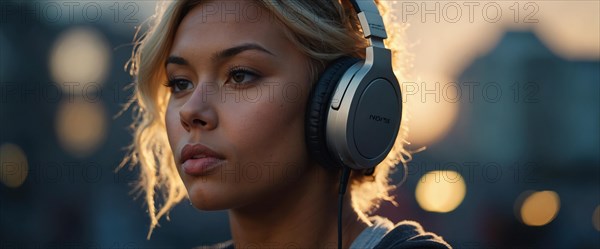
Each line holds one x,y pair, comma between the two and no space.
198,113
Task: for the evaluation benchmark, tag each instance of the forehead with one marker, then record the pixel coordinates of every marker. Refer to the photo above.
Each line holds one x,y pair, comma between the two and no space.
221,24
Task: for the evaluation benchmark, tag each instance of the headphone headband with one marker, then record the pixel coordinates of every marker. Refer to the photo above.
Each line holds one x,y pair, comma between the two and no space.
370,19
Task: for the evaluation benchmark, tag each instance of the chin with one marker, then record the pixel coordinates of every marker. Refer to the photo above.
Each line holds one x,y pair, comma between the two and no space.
206,206
207,196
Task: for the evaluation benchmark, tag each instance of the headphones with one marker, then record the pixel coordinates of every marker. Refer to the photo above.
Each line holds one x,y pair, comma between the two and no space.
355,108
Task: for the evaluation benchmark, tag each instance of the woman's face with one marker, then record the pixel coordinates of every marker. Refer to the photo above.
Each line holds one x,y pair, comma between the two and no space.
239,89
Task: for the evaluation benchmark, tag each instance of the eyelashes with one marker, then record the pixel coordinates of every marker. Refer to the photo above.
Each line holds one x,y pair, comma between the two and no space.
178,85
237,77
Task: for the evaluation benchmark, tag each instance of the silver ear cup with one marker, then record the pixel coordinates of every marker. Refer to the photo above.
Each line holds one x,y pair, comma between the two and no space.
318,106
364,117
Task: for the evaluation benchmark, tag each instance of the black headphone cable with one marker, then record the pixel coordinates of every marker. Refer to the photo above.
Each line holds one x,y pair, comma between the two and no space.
343,184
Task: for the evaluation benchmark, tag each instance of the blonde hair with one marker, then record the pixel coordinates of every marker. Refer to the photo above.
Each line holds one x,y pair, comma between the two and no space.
322,31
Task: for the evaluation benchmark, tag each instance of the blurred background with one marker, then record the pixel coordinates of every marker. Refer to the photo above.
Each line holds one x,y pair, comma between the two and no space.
503,94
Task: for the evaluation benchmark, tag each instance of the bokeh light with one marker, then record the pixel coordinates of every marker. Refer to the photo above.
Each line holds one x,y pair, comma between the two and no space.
440,191
431,110
575,37
81,126
596,218
538,208
13,165
570,37
80,57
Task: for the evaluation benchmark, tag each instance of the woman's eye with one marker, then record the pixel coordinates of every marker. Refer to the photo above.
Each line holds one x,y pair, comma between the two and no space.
178,85
242,76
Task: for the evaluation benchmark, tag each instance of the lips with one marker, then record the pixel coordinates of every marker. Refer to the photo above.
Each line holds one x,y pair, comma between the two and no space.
197,159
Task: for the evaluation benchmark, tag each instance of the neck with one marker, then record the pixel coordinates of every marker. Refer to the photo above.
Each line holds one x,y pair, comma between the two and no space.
303,215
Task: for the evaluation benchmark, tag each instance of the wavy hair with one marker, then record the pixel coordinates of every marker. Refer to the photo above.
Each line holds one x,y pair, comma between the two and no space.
323,31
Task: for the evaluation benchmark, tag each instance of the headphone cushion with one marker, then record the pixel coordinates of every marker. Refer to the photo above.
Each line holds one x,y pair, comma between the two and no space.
318,109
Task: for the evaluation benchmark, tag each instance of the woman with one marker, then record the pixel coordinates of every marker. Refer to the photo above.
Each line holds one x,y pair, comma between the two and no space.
222,90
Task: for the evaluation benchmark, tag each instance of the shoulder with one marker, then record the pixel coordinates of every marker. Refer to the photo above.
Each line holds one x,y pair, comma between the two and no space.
403,235
410,234
223,245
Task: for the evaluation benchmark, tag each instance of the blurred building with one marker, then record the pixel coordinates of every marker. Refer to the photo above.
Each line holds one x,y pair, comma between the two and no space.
528,121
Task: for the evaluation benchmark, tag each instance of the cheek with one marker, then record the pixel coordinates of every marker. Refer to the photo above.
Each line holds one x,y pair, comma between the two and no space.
271,130
173,125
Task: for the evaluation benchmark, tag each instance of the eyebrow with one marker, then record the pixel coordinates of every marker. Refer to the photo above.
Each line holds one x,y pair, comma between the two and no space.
221,55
